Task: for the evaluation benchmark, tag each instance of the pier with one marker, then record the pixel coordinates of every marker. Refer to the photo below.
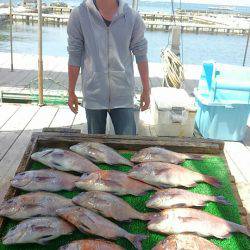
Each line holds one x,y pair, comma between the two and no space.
153,21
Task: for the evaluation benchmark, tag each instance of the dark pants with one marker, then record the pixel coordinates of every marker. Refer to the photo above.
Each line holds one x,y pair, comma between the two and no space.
122,118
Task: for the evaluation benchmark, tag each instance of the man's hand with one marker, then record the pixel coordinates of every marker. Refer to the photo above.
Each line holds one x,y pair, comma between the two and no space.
145,100
73,102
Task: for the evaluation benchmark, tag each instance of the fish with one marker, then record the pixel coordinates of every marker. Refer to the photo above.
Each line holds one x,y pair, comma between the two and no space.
174,197
189,220
185,242
44,180
113,181
33,204
100,153
109,206
38,230
64,160
91,245
89,222
166,175
163,155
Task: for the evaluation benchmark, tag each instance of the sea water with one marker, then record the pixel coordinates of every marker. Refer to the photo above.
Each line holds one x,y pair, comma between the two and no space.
195,48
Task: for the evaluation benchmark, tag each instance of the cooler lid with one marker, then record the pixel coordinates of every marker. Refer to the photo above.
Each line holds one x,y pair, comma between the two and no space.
172,98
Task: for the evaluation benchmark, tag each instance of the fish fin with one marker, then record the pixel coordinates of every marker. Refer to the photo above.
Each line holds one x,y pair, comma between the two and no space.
187,219
240,228
84,229
194,157
212,181
148,216
221,199
56,164
45,239
136,240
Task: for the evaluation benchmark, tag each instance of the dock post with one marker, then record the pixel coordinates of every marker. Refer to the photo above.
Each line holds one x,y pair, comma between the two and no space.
11,38
245,54
40,54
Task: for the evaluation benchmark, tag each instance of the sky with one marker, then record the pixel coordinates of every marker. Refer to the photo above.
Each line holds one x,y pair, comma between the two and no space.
218,2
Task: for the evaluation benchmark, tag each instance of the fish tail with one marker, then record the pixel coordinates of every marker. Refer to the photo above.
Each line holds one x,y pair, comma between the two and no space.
136,240
148,216
212,181
221,199
195,157
240,228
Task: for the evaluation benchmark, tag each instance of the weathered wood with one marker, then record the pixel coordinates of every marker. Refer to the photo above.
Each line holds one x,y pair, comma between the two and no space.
187,145
7,111
61,130
63,118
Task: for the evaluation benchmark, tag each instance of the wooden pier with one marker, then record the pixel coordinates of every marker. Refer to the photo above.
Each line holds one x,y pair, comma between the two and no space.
159,22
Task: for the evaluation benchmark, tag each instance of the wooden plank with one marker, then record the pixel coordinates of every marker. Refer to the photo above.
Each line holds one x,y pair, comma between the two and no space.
6,112
63,118
80,121
135,142
240,155
20,119
11,160
6,141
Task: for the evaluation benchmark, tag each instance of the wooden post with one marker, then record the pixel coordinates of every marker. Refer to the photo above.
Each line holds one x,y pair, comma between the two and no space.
245,54
40,54
11,38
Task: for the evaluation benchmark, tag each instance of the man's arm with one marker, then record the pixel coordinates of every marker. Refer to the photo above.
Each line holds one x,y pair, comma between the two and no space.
145,96
75,50
138,46
73,72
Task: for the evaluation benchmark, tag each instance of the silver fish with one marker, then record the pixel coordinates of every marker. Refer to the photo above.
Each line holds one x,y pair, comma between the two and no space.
185,242
100,153
109,205
162,155
90,222
162,174
91,245
38,230
64,160
113,181
33,204
44,180
189,220
174,197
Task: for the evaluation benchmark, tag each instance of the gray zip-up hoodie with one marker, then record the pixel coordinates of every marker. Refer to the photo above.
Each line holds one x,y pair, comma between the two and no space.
105,54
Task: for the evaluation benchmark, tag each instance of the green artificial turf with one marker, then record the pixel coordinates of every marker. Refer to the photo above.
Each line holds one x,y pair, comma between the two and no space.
213,166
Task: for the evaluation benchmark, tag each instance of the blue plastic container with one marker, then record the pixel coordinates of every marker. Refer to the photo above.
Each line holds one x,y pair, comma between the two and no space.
226,84
221,121
223,100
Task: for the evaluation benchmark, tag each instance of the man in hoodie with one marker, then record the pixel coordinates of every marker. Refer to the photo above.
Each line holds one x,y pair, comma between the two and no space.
102,37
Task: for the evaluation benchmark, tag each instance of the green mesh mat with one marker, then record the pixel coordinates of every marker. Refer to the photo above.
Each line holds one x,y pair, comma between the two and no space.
213,166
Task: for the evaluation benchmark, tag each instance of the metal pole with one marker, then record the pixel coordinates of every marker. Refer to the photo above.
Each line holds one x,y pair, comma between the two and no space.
245,55
135,4
11,38
40,54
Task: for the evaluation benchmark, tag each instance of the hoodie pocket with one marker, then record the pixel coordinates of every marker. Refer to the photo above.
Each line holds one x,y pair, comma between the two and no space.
96,86
120,84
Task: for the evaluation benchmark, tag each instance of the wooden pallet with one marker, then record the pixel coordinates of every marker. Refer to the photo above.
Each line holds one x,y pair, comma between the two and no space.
64,138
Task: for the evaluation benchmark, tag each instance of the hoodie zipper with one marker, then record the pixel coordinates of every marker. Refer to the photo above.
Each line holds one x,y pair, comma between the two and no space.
108,31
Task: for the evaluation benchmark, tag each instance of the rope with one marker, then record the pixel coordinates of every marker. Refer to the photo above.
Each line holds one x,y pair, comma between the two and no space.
173,69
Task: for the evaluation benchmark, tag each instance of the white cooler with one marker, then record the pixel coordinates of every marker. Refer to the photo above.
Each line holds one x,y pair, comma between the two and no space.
172,112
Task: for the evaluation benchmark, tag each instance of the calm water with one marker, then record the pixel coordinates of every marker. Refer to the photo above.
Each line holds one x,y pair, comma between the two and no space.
196,48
